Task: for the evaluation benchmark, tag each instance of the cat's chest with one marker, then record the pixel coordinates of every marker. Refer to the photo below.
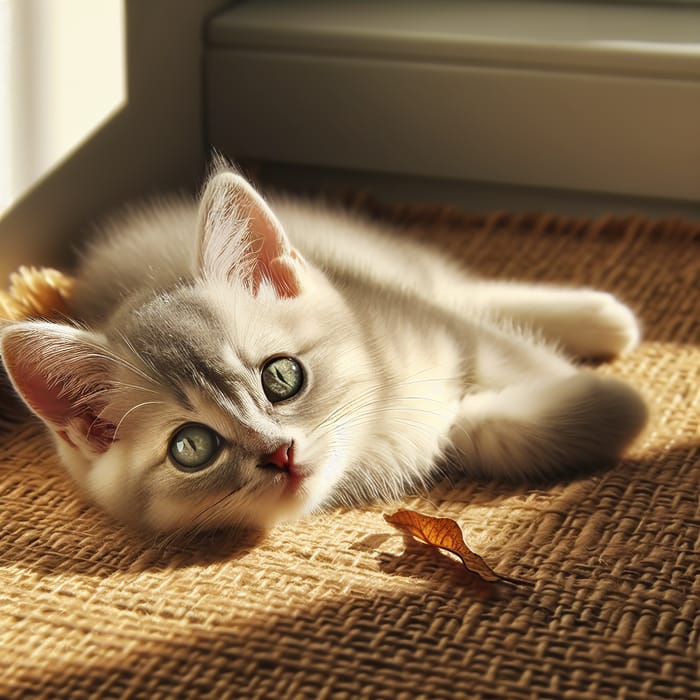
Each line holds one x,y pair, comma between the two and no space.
416,409
425,378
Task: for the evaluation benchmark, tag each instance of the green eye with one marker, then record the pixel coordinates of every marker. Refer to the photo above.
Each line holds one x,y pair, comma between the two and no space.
193,447
282,378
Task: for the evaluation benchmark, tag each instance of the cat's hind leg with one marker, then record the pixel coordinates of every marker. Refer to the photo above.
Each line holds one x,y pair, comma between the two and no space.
582,322
547,426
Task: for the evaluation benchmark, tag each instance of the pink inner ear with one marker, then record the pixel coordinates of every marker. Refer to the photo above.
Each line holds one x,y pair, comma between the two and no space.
240,237
45,399
283,275
60,409
275,257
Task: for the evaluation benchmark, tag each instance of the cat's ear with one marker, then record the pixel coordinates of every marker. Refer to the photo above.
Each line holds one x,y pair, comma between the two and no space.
61,373
240,237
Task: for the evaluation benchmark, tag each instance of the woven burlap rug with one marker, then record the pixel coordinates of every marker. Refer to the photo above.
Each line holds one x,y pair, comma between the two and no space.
338,606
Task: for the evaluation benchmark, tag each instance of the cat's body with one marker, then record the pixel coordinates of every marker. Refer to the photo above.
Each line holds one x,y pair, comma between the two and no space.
331,359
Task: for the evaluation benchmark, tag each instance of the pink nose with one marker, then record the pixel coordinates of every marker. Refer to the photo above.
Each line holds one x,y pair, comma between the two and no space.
281,457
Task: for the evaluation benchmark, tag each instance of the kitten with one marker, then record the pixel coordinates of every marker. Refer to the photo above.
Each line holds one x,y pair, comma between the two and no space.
245,362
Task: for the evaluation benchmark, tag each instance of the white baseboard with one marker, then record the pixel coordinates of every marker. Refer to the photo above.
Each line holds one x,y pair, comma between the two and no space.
575,96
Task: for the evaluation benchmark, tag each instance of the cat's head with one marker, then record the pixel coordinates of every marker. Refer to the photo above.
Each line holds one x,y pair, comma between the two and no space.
224,400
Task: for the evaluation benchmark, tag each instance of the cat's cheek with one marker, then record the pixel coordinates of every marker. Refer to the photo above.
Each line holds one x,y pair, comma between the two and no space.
165,514
74,461
100,479
109,484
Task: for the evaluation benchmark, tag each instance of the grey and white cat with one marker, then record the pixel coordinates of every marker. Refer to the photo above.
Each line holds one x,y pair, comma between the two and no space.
246,362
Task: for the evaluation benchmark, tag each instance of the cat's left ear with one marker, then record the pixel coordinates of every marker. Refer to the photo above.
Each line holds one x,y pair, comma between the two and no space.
240,237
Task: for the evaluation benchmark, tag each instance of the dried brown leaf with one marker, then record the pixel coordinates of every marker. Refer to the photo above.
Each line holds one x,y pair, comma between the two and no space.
446,534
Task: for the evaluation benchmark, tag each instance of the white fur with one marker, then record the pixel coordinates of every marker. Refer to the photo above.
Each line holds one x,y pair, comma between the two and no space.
409,361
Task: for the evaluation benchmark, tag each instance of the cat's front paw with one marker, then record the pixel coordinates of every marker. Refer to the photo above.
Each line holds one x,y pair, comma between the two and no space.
604,327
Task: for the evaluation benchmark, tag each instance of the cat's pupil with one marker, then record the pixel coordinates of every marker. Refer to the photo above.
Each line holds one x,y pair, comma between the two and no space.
193,447
282,378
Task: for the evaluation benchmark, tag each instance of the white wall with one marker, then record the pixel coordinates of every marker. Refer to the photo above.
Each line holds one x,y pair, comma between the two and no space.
152,142
65,77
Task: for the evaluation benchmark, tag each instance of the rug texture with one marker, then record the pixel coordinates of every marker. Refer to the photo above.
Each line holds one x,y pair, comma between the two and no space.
340,606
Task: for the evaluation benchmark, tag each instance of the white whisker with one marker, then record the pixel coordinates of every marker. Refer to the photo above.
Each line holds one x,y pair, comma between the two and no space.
131,410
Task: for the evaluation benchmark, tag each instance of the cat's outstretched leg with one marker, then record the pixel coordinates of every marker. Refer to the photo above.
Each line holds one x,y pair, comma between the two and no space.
546,427
528,413
583,322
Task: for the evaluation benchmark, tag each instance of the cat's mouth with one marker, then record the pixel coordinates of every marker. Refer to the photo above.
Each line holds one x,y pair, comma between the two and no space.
281,463
294,482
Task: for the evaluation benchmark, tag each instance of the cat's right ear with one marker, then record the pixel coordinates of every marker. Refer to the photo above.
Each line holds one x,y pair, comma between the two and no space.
61,373
241,238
